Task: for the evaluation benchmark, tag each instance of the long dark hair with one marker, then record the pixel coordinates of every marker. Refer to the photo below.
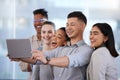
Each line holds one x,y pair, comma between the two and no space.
107,31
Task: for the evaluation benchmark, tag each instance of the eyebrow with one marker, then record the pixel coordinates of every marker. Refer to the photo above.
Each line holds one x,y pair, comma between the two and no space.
94,32
60,35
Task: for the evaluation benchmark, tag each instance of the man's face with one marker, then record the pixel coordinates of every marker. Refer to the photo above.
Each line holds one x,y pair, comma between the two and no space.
38,21
74,27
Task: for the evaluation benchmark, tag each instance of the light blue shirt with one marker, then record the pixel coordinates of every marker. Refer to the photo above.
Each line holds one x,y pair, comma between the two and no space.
79,56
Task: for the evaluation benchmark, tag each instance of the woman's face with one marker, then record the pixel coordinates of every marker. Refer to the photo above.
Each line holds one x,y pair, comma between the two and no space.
47,33
59,39
96,37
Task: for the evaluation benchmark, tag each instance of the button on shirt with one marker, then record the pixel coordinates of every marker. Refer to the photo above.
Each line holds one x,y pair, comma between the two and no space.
79,56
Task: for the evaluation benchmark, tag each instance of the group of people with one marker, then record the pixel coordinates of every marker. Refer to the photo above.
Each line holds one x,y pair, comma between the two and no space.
63,54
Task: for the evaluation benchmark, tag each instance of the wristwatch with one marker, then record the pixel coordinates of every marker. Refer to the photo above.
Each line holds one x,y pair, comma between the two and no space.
48,59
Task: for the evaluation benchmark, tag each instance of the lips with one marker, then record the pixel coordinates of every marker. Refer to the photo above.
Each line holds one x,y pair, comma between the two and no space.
54,44
47,38
92,41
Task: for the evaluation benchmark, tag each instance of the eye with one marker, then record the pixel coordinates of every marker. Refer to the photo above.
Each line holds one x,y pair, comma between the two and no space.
72,24
90,32
95,33
50,31
67,24
43,32
59,36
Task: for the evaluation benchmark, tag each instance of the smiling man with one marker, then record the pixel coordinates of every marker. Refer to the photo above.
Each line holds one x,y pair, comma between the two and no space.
76,55
40,16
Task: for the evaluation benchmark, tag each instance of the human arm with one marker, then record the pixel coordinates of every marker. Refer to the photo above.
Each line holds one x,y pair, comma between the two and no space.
27,60
41,56
79,58
58,61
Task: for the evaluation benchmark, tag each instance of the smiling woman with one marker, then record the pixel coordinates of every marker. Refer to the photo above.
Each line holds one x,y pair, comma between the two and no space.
60,38
102,64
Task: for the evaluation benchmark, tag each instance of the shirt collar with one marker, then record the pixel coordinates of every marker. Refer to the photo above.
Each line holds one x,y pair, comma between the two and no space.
79,43
35,38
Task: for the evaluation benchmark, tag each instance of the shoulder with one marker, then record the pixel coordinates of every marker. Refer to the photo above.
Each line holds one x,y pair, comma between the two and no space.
102,50
31,37
101,53
86,47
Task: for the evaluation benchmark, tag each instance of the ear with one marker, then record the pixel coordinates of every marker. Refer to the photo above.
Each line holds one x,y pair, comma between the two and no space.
83,26
65,43
105,39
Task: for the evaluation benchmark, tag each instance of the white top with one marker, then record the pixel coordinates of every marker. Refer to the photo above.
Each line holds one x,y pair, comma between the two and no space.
102,66
35,43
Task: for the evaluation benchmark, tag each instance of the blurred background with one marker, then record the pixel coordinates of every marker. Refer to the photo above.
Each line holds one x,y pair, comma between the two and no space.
16,21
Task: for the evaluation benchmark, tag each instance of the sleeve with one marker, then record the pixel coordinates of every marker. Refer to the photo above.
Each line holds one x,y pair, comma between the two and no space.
81,58
50,53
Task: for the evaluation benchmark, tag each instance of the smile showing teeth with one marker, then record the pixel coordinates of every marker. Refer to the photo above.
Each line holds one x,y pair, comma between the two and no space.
38,27
54,43
92,41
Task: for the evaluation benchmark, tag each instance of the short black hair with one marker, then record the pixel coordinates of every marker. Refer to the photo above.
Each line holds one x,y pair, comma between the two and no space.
41,11
79,15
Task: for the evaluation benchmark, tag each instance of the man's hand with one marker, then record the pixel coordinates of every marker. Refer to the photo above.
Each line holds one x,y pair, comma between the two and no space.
13,59
38,55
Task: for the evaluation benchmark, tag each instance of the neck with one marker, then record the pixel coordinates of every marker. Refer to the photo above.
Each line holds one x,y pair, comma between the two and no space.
46,47
75,40
39,36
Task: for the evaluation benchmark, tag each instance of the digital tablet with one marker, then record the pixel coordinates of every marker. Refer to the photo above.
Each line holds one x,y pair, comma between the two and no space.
19,48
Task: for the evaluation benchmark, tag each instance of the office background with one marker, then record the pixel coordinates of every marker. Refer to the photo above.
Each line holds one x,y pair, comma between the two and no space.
16,21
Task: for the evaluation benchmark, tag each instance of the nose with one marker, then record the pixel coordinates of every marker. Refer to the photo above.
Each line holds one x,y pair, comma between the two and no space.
67,27
91,36
47,35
